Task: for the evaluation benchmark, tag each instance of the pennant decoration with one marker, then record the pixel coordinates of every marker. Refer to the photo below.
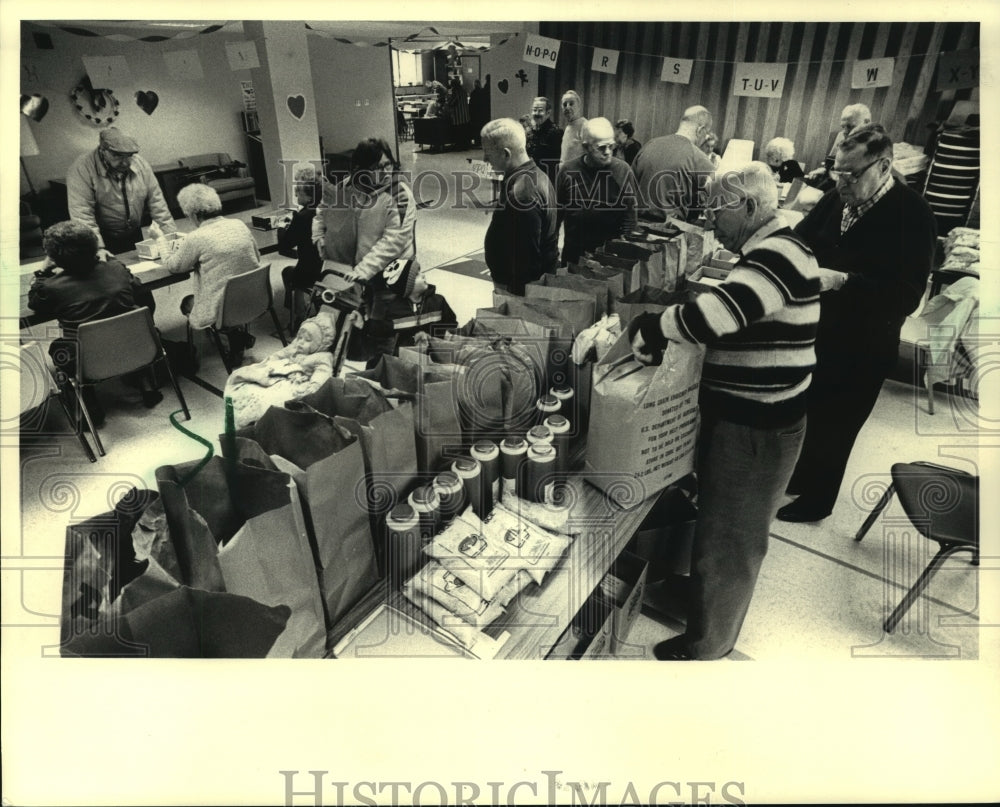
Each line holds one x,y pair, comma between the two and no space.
147,101
242,55
541,50
297,106
676,71
759,79
604,61
211,29
872,73
34,106
108,71
100,107
184,65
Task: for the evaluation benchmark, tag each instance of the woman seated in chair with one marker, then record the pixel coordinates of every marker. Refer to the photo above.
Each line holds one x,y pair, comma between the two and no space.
778,154
367,220
78,289
214,252
295,241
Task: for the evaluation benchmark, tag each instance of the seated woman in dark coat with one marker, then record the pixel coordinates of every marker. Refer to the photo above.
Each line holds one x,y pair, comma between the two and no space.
79,289
779,154
295,241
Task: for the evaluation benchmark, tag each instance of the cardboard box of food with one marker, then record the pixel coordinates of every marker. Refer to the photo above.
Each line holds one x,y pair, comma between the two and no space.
624,586
150,249
271,219
706,277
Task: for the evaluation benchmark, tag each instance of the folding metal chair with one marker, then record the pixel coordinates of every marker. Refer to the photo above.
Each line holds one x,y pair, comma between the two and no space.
37,388
112,347
943,504
245,298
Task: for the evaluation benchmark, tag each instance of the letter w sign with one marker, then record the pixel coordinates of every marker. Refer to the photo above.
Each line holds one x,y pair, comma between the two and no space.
872,73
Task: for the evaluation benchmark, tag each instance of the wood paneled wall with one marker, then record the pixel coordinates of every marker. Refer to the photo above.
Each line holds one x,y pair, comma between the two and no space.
817,85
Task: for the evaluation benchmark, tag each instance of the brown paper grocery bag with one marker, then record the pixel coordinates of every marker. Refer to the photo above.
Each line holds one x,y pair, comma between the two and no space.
643,422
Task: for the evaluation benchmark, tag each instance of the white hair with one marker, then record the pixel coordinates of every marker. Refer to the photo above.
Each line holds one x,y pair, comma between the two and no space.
198,199
780,147
505,133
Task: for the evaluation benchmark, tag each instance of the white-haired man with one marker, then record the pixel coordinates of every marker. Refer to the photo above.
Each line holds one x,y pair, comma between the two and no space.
672,169
851,117
522,242
759,328
596,193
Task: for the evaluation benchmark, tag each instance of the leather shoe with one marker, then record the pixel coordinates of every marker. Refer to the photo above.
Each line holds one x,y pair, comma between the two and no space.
802,511
674,649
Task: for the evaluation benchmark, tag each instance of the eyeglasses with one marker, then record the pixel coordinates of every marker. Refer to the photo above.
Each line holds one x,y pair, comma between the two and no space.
606,148
852,177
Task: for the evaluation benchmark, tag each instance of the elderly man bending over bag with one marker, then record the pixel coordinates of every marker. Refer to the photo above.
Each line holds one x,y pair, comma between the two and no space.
759,327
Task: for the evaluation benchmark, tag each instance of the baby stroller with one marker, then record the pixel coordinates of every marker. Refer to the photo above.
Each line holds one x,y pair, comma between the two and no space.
353,303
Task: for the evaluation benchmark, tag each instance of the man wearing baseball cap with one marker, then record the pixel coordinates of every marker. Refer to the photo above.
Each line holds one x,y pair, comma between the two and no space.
108,189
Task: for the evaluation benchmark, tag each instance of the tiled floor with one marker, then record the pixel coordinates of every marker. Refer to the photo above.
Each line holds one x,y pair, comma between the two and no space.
820,594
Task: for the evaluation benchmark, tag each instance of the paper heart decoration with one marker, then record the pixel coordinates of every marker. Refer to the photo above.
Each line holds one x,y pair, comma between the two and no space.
297,106
34,106
147,101
503,85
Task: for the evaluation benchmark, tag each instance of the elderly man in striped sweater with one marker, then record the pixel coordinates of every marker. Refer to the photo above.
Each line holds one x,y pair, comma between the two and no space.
759,328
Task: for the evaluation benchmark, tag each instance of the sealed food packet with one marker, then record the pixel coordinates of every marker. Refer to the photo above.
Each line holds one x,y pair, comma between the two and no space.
473,639
436,582
484,566
533,549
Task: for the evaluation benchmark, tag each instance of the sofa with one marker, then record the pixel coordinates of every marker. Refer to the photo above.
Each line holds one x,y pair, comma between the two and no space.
440,132
218,170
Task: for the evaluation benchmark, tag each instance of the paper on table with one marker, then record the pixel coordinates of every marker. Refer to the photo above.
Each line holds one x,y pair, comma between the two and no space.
143,266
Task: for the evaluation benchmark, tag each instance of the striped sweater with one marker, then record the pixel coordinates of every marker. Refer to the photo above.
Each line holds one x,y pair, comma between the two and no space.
759,329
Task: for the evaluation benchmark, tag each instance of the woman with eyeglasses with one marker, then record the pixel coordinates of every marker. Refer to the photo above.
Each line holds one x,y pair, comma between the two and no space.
367,221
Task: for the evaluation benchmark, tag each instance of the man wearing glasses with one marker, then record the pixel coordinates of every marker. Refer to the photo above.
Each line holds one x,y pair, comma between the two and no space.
596,193
110,188
874,239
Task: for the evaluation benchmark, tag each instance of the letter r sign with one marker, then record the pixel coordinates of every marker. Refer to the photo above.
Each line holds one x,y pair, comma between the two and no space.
605,61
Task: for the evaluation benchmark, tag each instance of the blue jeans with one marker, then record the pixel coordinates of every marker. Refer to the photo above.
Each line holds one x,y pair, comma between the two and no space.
742,474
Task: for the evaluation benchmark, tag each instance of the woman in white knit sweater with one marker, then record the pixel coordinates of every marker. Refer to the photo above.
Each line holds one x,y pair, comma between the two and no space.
215,251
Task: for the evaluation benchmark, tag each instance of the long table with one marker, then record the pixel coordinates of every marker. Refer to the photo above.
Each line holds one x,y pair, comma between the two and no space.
157,278
536,619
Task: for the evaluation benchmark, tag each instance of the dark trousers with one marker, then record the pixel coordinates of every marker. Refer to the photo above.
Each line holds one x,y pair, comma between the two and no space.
839,403
119,241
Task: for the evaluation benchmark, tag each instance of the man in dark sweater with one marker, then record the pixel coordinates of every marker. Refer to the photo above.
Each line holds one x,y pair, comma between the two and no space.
759,327
521,243
545,138
596,193
876,238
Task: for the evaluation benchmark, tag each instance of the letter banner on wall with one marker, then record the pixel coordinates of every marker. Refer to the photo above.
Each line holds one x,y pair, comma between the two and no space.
872,73
677,71
958,70
605,61
541,50
759,79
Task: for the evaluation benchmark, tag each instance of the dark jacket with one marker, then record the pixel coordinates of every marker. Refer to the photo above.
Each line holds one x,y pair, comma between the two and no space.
545,148
596,204
521,243
789,170
295,241
107,290
431,315
888,254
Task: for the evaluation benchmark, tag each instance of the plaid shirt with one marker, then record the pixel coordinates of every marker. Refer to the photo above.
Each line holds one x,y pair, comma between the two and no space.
852,214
